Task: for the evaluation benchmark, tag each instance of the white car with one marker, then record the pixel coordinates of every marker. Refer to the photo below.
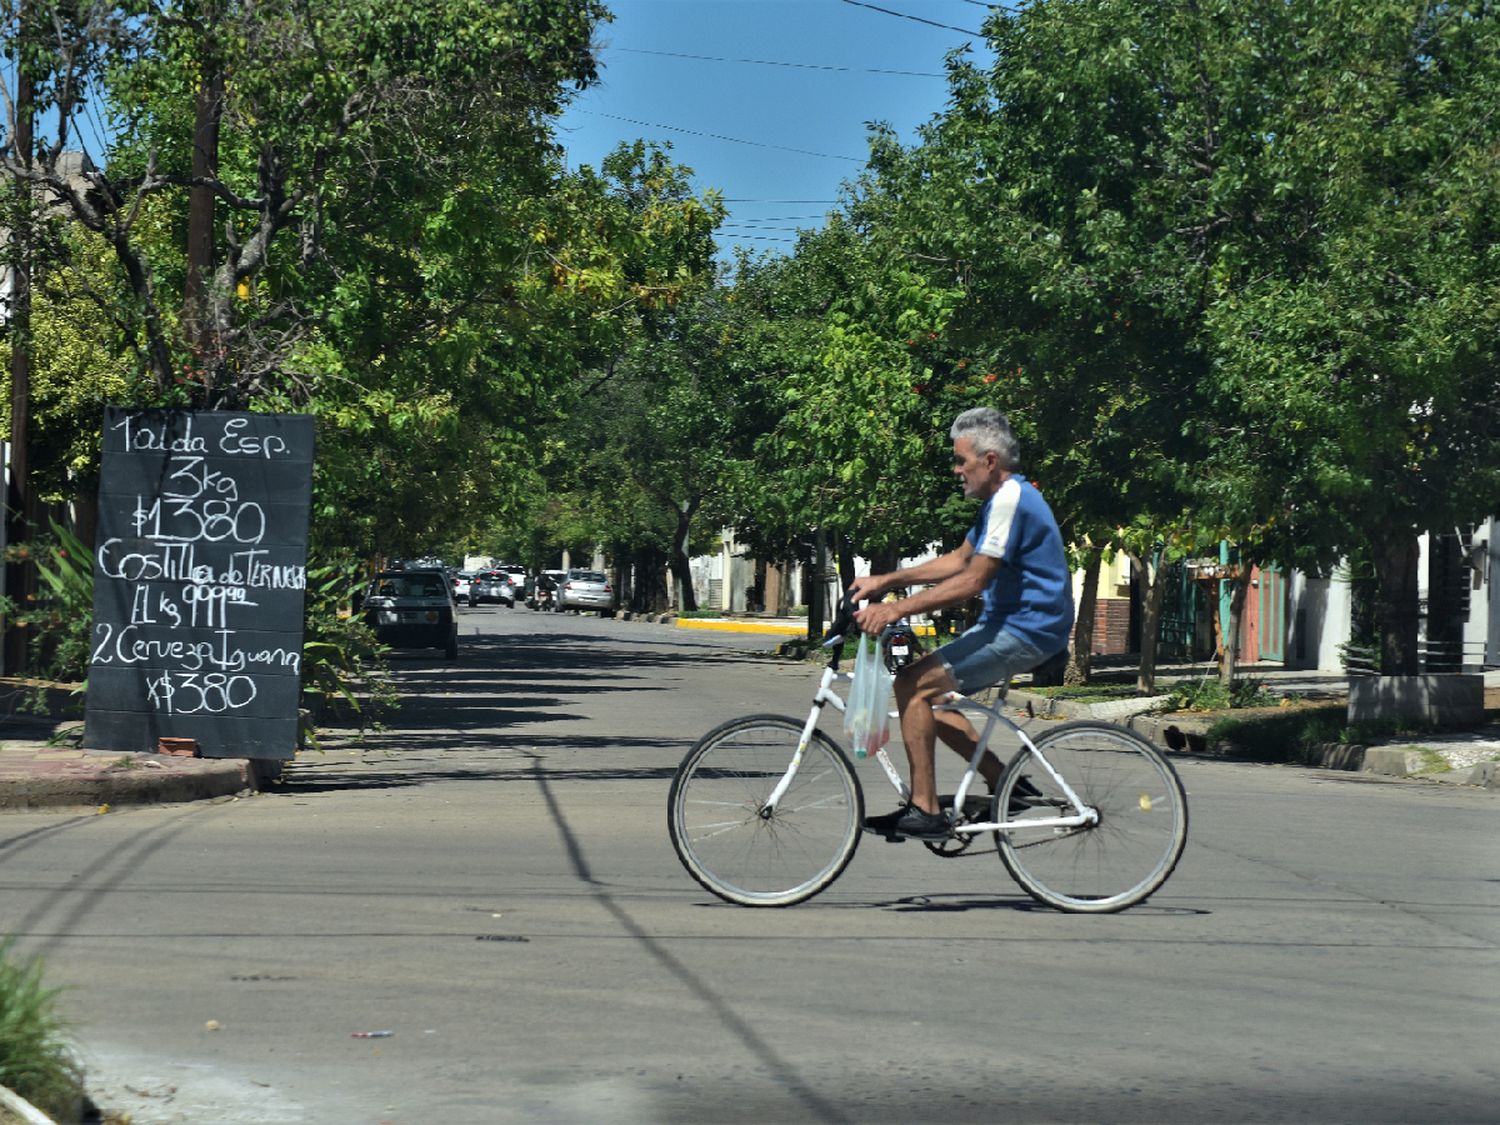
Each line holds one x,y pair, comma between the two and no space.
586,589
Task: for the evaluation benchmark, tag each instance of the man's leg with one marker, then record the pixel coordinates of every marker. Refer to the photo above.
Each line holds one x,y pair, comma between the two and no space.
975,658
918,688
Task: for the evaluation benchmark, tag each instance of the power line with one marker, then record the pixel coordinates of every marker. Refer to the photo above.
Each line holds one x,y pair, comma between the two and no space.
762,238
919,19
742,226
779,200
772,62
736,140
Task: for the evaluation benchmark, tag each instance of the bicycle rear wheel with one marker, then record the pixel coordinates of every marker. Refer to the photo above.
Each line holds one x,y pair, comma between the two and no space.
738,848
1100,867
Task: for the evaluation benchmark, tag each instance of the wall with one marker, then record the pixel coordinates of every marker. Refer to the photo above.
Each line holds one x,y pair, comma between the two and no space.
1318,618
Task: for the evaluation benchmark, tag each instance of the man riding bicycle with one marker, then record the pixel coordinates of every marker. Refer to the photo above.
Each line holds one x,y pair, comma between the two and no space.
1014,554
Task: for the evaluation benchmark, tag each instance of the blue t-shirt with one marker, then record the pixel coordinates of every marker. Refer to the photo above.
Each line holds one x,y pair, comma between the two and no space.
1032,593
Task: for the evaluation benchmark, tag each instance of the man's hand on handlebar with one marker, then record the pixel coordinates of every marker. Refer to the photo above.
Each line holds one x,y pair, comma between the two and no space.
866,589
876,616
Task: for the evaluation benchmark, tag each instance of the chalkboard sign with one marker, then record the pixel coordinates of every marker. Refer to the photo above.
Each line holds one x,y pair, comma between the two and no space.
201,565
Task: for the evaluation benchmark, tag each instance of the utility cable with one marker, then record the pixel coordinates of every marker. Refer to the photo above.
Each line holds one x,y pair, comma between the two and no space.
719,137
919,19
772,62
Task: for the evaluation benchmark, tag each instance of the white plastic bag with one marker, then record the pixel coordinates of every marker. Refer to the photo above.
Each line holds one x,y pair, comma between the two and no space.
867,714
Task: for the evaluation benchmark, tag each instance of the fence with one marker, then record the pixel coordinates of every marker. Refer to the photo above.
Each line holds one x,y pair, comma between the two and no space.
1434,658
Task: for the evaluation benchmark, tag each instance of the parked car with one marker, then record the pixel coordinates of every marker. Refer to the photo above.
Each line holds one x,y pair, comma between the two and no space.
463,585
493,586
413,609
586,589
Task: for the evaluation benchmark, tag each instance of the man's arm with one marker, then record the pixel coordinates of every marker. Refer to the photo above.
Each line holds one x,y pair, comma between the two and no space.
924,574
954,589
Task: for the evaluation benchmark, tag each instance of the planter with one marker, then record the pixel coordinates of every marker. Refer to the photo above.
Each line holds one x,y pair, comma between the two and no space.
1448,701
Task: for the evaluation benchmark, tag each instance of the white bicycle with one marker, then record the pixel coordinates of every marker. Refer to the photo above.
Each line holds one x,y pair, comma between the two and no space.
768,811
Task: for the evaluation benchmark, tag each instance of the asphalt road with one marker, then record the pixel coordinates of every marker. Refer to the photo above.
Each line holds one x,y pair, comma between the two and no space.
491,880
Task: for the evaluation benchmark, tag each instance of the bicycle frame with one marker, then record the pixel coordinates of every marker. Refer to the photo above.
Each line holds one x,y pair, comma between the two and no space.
953,701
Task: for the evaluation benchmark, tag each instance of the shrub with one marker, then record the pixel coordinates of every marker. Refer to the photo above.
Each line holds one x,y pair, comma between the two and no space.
37,1059
1209,694
59,620
1290,737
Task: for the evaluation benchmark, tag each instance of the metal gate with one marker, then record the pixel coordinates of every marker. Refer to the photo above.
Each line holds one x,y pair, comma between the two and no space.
1272,605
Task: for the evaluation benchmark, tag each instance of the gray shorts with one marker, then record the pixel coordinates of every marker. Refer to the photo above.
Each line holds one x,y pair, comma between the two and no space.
988,654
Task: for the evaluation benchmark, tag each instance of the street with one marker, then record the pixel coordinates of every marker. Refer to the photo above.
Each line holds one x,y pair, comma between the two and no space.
491,880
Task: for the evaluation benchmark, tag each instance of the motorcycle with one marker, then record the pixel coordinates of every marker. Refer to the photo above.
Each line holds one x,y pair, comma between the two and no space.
542,599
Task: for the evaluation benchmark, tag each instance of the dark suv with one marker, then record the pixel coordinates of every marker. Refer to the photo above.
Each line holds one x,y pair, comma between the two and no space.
413,609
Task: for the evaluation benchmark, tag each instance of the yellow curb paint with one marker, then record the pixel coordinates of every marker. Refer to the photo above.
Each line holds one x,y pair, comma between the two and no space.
741,627
761,627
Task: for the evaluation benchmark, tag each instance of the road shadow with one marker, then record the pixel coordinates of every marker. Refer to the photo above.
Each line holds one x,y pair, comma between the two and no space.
507,694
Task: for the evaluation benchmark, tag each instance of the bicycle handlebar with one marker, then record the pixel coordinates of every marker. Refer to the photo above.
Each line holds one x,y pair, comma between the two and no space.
842,624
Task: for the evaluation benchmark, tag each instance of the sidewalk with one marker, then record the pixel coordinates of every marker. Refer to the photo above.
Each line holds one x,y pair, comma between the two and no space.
34,775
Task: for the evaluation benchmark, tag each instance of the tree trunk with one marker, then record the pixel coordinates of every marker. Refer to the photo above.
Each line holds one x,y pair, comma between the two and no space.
884,560
1156,590
20,577
1398,607
1077,671
681,568
649,588
1239,588
200,248
846,562
819,587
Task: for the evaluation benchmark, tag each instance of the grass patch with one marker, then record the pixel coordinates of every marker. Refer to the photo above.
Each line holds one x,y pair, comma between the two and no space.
1290,737
699,614
1432,761
1210,694
37,1059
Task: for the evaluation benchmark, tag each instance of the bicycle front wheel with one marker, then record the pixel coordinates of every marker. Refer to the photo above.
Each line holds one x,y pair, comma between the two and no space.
1114,862
734,843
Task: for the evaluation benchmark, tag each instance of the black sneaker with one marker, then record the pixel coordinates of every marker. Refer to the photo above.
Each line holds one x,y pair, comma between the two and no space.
1024,796
909,823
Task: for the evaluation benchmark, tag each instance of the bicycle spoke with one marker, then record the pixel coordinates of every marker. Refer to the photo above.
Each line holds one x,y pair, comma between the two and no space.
761,857
1131,848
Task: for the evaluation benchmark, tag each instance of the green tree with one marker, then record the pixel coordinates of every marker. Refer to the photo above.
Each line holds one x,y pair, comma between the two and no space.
326,177
1363,371
1227,261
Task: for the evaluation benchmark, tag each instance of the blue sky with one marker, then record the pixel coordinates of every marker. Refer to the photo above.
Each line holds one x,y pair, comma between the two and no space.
770,191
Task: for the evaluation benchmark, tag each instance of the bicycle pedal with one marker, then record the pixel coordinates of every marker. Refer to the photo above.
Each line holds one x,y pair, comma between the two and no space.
976,806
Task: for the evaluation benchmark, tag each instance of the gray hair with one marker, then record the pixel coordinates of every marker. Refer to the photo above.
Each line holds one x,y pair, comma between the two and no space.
989,432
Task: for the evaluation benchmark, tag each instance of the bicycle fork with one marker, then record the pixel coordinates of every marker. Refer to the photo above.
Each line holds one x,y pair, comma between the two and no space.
825,695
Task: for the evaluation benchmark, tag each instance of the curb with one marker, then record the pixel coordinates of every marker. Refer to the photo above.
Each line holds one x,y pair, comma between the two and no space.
34,777
1394,761
1111,710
